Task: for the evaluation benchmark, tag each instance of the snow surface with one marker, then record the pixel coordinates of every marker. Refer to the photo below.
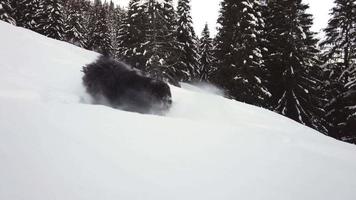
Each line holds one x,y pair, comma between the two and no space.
54,145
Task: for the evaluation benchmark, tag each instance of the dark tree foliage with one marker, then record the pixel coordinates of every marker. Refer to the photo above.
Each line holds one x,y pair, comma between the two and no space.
160,48
115,18
147,40
87,12
99,39
74,23
26,13
6,12
132,35
206,58
188,63
340,68
240,67
51,21
292,62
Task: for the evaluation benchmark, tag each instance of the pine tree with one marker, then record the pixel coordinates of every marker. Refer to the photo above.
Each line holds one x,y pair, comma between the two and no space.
26,13
160,46
99,36
88,23
74,20
291,59
115,17
132,35
241,69
111,21
188,63
51,22
6,12
340,68
206,55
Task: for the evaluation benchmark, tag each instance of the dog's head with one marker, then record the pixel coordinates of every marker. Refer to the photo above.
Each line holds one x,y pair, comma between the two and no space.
161,95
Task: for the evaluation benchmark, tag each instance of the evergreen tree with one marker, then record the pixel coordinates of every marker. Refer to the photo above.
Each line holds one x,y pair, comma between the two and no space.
291,59
88,23
26,13
6,12
241,69
74,20
206,55
99,35
188,63
340,68
160,46
51,22
132,35
115,17
111,21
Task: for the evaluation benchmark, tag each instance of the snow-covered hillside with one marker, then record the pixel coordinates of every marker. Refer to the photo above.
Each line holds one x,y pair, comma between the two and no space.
54,145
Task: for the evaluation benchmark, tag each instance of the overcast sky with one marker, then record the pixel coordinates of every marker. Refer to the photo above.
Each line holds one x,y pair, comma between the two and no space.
207,11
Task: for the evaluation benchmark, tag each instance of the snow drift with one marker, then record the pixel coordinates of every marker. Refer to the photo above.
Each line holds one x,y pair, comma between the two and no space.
54,145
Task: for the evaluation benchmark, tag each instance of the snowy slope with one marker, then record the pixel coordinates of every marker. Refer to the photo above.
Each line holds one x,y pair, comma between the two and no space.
54,145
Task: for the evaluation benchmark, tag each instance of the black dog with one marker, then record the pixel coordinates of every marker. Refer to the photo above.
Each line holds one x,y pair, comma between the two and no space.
125,88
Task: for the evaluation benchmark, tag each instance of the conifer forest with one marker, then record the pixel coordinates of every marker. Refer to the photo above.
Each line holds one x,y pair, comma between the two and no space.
264,53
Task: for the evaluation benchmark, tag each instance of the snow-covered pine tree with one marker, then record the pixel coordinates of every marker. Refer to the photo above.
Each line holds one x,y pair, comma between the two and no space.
51,22
188,57
159,48
340,67
99,39
115,16
170,45
26,13
111,21
291,60
132,35
90,19
88,23
206,58
241,70
6,12
74,20
120,16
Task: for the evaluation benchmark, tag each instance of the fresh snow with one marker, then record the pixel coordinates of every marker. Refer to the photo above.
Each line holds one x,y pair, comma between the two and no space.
55,145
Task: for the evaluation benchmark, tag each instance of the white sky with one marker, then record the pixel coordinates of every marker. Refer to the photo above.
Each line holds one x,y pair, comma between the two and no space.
208,11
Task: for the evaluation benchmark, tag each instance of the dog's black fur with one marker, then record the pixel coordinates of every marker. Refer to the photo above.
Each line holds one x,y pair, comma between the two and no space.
125,88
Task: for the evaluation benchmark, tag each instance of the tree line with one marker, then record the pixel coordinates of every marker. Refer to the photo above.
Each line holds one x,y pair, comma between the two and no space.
264,53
